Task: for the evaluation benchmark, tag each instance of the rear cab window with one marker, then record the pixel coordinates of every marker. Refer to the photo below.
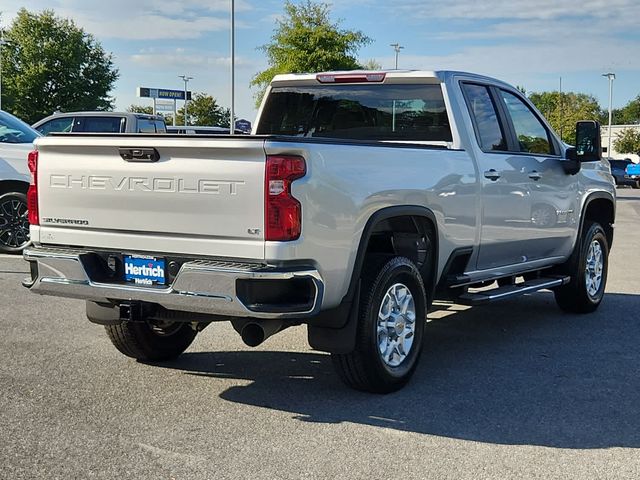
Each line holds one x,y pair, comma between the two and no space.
358,112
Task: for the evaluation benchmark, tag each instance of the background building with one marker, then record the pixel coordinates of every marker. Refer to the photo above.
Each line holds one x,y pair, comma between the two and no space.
615,131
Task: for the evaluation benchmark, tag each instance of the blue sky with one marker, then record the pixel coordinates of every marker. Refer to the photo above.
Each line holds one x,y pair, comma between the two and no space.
525,42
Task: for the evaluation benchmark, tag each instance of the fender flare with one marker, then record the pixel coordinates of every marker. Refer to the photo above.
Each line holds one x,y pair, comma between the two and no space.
601,195
334,330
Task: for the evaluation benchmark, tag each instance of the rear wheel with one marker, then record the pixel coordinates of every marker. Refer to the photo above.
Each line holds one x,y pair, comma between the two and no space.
391,322
157,340
585,291
14,223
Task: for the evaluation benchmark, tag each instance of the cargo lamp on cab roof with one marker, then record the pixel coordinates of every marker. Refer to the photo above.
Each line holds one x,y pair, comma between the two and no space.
351,77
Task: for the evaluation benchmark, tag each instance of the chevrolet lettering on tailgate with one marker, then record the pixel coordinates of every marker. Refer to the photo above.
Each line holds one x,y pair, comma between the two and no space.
144,184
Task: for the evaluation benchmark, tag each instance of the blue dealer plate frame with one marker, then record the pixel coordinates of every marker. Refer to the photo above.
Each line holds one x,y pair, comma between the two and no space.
144,270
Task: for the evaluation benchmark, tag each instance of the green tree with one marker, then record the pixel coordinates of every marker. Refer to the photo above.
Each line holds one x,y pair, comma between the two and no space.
371,64
629,114
628,141
51,64
204,110
148,109
306,40
564,110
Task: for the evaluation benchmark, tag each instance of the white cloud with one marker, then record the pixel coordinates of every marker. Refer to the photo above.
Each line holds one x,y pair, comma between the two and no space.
520,9
517,63
180,58
139,19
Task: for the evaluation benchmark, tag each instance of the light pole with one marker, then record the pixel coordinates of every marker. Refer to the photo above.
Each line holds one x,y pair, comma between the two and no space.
232,129
397,47
611,77
185,79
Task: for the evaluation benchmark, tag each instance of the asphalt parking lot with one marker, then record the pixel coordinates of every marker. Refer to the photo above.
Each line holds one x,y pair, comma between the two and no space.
512,390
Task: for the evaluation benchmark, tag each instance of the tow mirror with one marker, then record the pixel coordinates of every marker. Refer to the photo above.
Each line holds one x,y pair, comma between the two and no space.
588,147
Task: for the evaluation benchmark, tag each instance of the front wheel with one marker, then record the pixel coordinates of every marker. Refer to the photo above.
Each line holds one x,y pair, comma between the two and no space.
14,223
585,291
148,340
392,314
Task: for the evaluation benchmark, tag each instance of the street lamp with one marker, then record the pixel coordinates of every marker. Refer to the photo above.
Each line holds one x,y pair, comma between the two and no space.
397,47
232,129
185,79
611,77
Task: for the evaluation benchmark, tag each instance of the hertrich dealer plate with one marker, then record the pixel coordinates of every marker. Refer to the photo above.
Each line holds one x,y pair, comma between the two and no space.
144,270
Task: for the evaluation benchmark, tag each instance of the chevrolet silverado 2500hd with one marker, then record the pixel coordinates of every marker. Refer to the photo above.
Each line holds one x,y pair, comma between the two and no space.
360,198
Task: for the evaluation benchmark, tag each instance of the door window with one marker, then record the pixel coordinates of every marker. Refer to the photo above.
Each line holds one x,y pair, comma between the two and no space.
488,130
101,124
531,134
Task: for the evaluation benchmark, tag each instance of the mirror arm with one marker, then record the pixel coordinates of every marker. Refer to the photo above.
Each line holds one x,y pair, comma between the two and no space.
571,165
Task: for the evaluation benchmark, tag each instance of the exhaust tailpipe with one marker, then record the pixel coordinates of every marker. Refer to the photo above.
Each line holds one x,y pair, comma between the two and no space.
254,332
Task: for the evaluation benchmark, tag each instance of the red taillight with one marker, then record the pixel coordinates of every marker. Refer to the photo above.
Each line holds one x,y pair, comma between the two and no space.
32,194
282,212
375,77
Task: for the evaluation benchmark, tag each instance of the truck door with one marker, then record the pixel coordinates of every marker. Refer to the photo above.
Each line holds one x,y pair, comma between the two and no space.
552,192
505,202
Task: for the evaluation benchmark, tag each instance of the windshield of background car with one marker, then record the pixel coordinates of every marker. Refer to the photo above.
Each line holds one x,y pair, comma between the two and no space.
359,112
13,130
64,124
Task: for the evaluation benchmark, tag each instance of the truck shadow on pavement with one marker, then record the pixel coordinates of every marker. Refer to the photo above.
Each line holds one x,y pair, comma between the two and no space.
518,373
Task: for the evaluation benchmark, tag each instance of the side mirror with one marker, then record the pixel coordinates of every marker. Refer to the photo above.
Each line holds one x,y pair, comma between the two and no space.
588,148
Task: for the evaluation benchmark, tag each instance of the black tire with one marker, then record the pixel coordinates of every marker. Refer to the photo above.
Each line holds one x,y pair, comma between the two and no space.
148,342
364,368
575,297
14,224
636,184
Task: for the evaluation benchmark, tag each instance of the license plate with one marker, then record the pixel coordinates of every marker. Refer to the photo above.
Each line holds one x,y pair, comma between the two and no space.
144,270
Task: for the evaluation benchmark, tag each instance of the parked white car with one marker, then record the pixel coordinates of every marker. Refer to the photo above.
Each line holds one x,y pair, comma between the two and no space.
16,141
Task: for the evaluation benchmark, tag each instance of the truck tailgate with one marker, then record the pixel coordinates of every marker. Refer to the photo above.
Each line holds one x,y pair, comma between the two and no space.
202,196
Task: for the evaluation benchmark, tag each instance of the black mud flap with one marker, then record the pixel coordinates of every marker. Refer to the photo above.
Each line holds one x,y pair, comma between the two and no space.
336,339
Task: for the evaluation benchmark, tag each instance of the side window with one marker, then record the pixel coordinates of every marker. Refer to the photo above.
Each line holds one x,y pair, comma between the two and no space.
161,126
146,126
532,135
481,107
56,125
101,124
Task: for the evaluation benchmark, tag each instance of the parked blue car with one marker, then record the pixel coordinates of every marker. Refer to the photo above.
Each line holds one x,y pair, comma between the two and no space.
625,172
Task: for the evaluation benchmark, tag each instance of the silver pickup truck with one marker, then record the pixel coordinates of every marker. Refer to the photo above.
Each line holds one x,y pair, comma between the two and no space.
359,198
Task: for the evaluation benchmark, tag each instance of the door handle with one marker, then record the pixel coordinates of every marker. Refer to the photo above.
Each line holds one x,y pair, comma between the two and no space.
139,154
535,175
492,175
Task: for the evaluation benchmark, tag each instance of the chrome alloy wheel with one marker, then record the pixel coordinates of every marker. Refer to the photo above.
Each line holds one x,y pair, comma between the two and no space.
396,325
14,223
593,268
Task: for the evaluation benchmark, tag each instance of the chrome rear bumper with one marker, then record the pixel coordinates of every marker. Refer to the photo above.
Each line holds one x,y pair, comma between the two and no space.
201,286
